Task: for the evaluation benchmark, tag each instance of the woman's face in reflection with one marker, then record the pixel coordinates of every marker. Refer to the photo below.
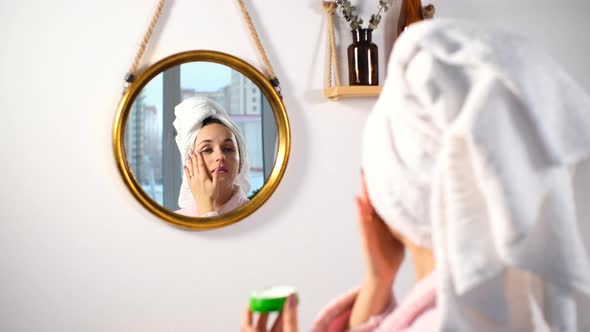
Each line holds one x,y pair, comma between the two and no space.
218,146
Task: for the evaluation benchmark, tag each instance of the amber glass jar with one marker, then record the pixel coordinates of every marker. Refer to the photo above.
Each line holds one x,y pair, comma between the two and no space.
363,60
410,12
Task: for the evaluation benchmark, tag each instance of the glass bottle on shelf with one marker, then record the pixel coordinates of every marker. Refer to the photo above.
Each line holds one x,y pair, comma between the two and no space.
363,60
410,12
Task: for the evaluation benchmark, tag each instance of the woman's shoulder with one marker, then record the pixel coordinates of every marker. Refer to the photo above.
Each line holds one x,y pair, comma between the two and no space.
238,199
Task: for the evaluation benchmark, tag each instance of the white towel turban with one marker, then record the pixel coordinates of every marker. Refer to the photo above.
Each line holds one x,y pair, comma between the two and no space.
190,114
472,149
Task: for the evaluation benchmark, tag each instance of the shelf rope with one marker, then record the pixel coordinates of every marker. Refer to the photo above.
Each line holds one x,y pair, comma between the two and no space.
332,62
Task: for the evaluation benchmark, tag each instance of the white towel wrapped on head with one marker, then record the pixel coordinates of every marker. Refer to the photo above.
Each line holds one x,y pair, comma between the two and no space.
470,150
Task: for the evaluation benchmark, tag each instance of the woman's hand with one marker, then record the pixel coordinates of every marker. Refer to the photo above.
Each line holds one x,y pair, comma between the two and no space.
203,184
384,254
285,322
383,251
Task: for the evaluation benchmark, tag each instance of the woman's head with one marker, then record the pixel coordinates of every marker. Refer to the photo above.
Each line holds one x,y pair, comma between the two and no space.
469,151
220,149
201,123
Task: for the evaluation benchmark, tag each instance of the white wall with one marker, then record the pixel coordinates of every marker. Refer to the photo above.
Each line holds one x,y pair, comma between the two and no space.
78,253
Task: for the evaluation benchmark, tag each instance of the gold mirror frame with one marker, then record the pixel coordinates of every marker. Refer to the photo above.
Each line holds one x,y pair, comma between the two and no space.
280,164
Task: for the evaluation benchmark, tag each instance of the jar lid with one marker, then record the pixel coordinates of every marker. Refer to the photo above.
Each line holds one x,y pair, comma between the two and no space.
271,299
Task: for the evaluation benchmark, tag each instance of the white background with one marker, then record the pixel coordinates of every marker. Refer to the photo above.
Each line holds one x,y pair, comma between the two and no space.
78,252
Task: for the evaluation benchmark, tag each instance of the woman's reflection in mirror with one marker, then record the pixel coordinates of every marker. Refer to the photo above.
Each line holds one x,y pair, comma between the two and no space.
215,161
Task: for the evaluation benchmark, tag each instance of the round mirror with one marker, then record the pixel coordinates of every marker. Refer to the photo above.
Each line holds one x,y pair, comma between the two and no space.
201,139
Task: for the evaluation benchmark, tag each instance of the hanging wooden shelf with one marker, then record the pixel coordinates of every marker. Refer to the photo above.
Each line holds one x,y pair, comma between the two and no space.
336,92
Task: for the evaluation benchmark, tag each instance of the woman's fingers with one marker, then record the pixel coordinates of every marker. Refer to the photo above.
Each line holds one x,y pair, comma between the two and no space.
261,322
215,177
361,204
364,223
190,166
289,315
364,192
278,324
186,172
364,215
246,319
365,204
202,169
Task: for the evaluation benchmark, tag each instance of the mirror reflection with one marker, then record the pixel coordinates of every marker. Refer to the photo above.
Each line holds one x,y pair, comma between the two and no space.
201,139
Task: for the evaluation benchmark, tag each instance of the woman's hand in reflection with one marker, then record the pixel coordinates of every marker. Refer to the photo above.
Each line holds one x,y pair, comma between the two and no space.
384,252
203,184
285,322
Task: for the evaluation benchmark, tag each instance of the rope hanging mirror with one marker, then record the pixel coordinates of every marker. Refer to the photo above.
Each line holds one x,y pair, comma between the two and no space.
201,156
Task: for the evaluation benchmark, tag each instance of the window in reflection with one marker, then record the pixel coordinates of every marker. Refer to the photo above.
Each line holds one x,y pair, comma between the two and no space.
143,139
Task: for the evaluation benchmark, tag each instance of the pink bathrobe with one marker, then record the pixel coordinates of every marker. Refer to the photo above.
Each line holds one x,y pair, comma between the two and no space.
417,313
238,199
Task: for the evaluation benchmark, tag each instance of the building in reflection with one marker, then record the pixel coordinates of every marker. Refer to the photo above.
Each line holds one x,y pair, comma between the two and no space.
219,96
143,147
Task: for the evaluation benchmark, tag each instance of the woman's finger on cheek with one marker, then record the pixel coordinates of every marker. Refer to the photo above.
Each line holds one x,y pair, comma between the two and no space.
366,207
186,172
363,208
189,166
203,171
362,213
194,164
359,206
364,191
215,177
